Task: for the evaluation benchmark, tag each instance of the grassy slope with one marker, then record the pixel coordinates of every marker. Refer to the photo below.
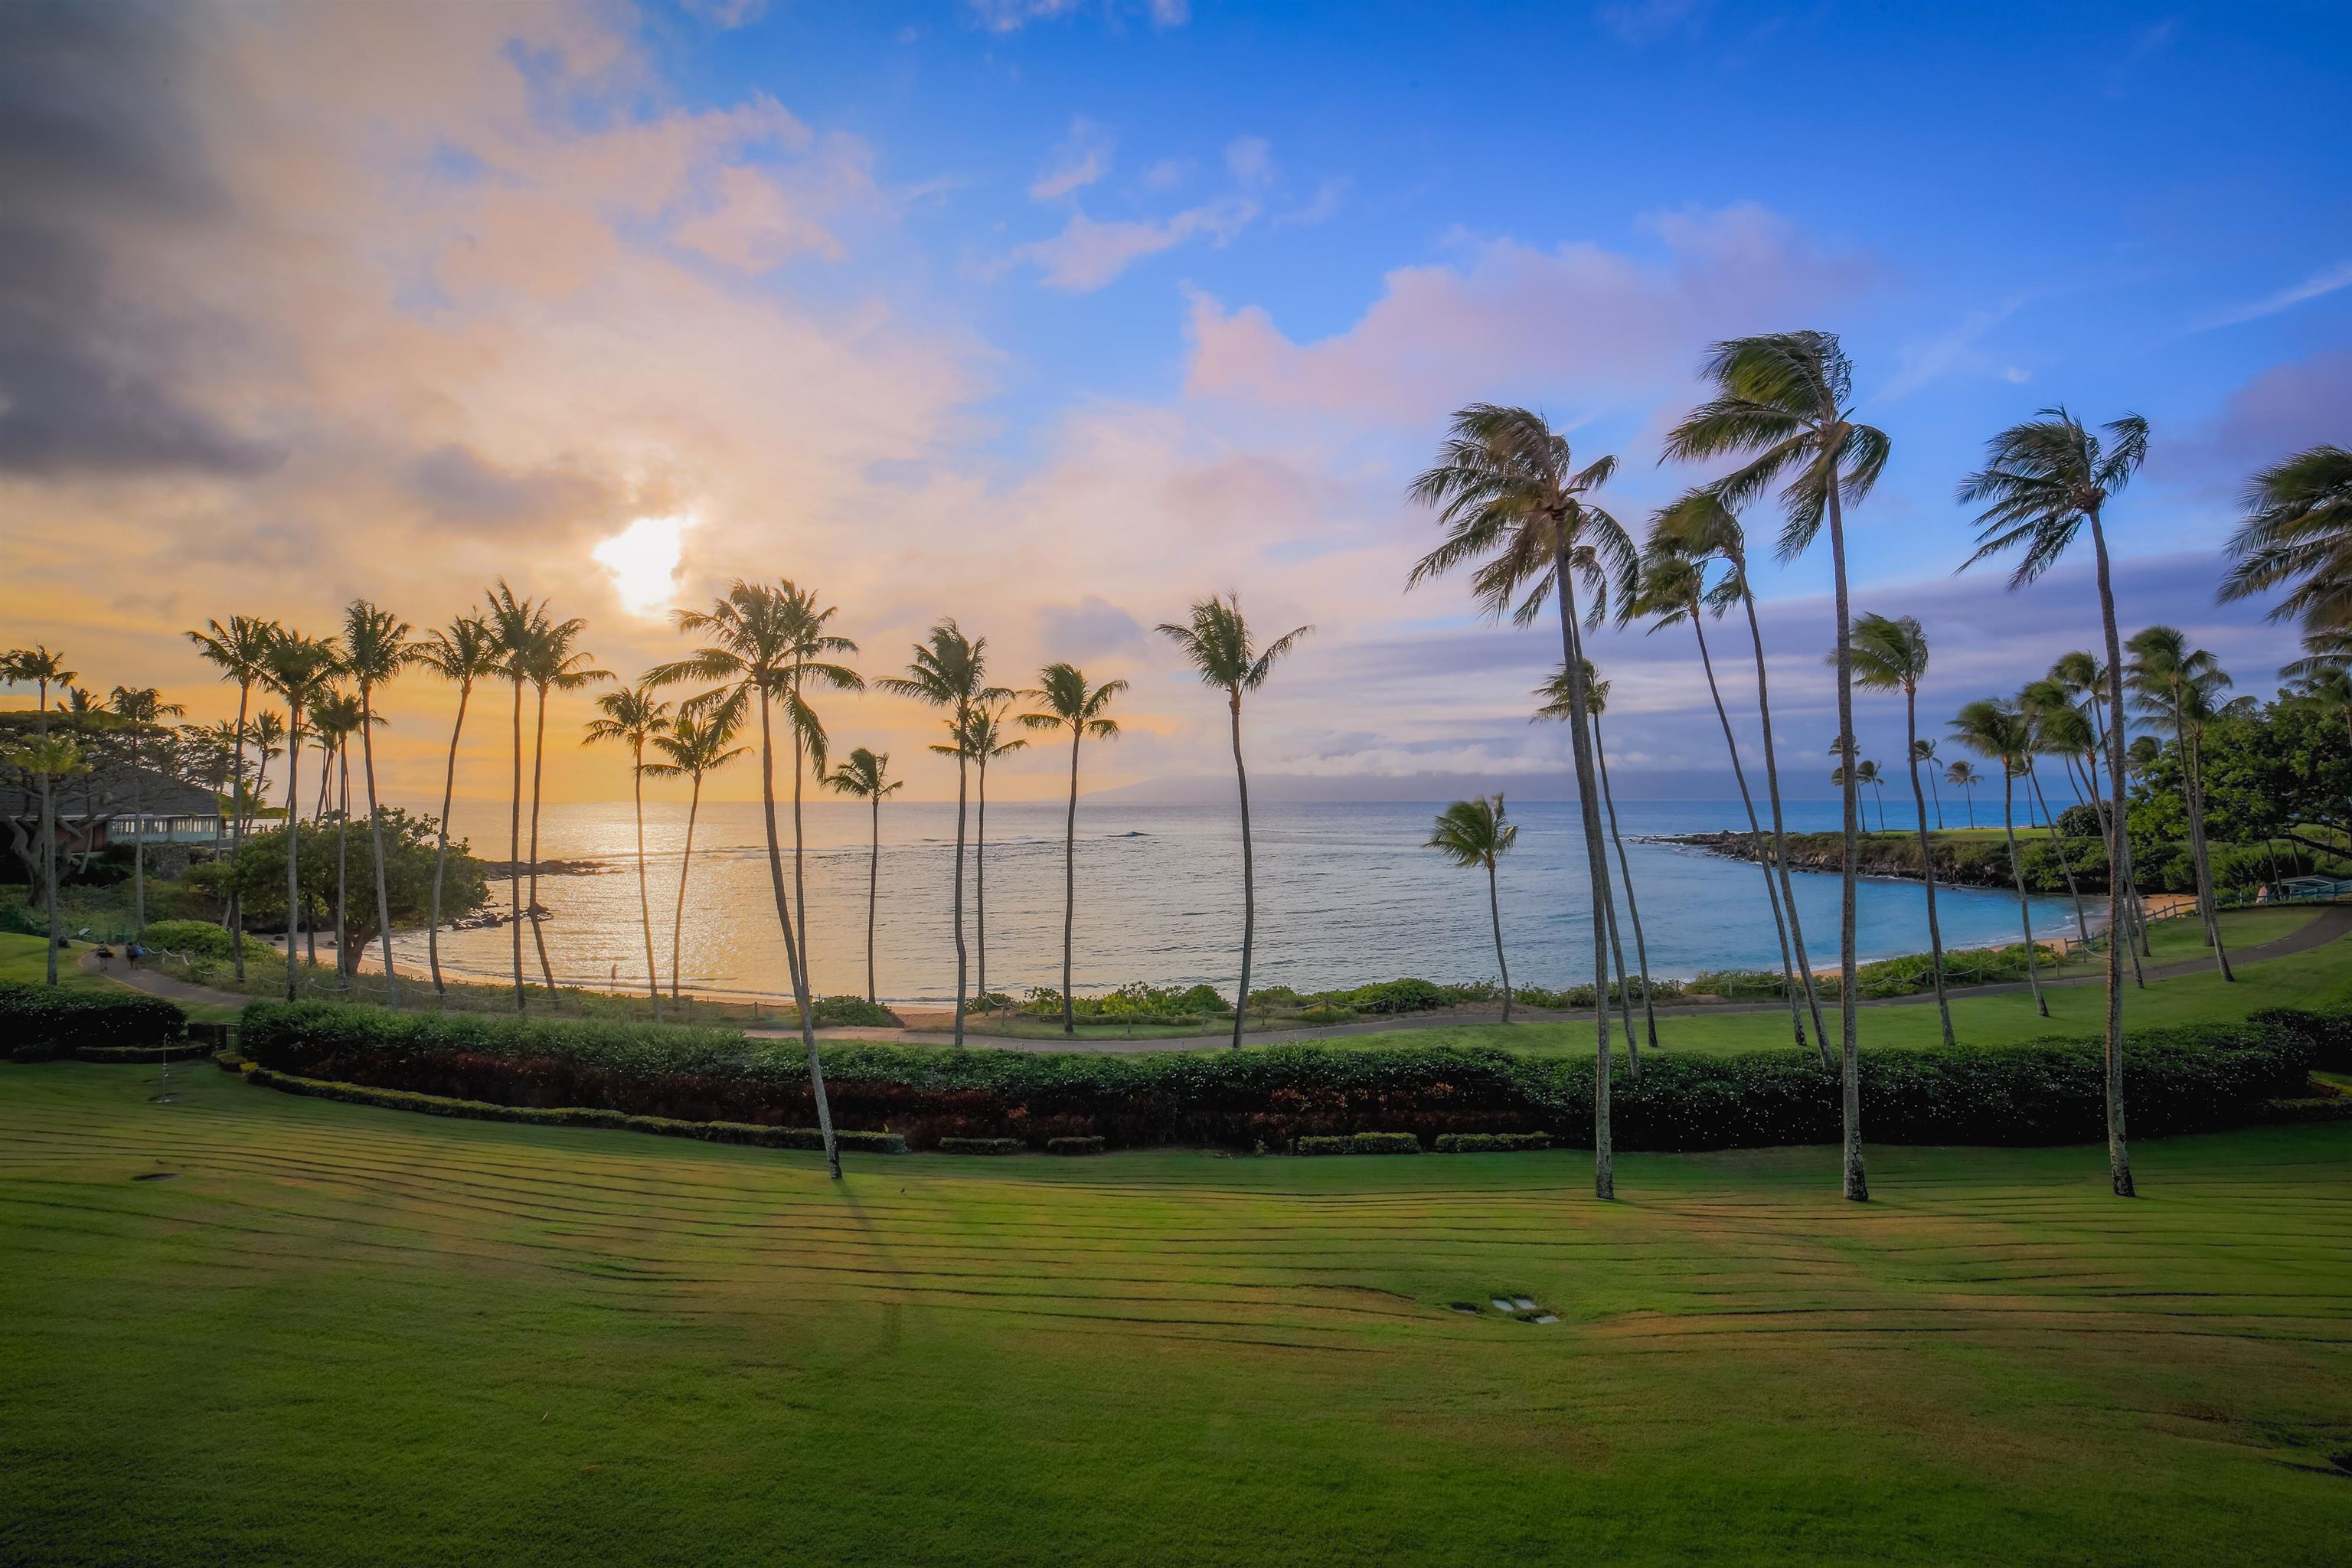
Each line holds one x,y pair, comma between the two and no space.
21,959
355,1336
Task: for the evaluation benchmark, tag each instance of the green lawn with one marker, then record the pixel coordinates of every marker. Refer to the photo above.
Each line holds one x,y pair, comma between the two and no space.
361,1337
21,959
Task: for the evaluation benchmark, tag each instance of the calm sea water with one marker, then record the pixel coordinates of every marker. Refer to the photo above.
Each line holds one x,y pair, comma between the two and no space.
1346,895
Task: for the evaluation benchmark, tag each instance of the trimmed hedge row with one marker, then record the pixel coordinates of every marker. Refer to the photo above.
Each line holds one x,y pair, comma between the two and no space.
39,1022
1492,1142
1360,1143
982,1146
578,1116
2040,1092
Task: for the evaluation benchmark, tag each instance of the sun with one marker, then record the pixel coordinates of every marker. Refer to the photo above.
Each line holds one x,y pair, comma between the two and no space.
642,560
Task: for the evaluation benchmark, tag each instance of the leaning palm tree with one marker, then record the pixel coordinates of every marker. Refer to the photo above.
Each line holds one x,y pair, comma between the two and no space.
982,740
1510,495
337,716
866,776
2176,685
298,668
631,717
238,651
1216,642
752,632
2322,651
699,742
1782,401
1474,833
465,652
2043,481
1963,776
516,626
140,709
813,664
1923,750
1672,589
268,741
51,760
2059,730
1867,772
1999,733
2084,682
1068,702
551,663
377,646
947,672
2297,535
1596,702
1891,655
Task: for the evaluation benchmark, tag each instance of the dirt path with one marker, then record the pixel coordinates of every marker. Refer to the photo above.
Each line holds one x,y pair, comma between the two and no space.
158,984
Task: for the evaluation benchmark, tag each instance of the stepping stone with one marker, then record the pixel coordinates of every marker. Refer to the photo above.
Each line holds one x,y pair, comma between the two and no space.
1549,1317
1501,1305
1523,1304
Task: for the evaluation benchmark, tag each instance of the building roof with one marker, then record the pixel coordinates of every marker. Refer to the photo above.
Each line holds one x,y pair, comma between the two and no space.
110,794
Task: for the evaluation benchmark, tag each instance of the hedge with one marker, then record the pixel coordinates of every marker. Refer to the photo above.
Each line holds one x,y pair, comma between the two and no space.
1491,1143
44,1021
982,1146
2040,1092
1361,1143
1075,1145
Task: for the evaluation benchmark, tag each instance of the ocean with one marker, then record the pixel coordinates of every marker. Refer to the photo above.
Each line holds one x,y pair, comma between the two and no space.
1346,894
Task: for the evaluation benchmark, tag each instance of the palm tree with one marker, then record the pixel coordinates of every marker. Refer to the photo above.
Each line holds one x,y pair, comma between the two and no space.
268,740
1923,750
983,738
551,663
1672,589
2058,729
2322,651
516,626
2327,689
1702,528
1866,771
866,776
1507,488
946,672
1069,703
1474,833
2297,535
1596,702
337,715
142,709
754,630
812,650
631,717
2173,683
298,668
239,651
1891,655
1963,775
698,742
1992,729
377,646
51,759
1216,642
465,652
42,668
2085,681
2043,480
1782,398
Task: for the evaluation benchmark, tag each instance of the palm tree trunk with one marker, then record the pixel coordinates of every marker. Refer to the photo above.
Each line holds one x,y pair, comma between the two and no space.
375,839
237,833
1927,856
1623,991
293,838
979,887
514,853
1938,791
344,968
539,934
2017,875
1249,876
2065,861
1780,836
1755,834
1493,908
1070,886
800,876
1604,1154
792,948
2193,787
1857,1188
1633,912
441,845
49,873
956,902
2126,921
873,895
684,864
645,902
138,845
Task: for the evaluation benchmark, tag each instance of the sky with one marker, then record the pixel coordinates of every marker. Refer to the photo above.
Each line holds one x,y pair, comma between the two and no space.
1055,315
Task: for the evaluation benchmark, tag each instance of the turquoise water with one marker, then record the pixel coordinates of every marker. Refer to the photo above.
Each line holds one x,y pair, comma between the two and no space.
1346,894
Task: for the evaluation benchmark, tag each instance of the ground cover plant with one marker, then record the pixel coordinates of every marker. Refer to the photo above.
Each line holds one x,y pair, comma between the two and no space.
555,1345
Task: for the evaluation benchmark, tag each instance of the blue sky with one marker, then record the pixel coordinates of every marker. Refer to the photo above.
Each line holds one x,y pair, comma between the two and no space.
1053,316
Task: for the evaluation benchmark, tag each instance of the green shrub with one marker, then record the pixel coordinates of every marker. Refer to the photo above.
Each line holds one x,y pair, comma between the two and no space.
1491,1143
981,1146
1088,1145
202,938
855,1012
1398,996
1327,1013
39,1022
1360,1143
1273,998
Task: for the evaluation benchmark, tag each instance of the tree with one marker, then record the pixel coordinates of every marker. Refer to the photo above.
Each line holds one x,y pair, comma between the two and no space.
1507,488
51,760
2043,480
947,672
699,742
1891,655
1474,833
1066,701
551,663
239,650
753,632
140,709
268,740
2327,689
1217,643
298,668
1866,771
1994,730
1782,401
1963,775
2058,729
516,625
38,665
337,716
465,652
377,646
2176,685
412,859
2085,681
1596,703
866,776
2297,535
812,650
981,739
633,717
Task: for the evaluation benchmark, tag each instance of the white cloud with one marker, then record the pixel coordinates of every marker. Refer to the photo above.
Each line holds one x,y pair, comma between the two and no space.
1250,159
1082,158
1921,360
1086,254
1322,207
2325,282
